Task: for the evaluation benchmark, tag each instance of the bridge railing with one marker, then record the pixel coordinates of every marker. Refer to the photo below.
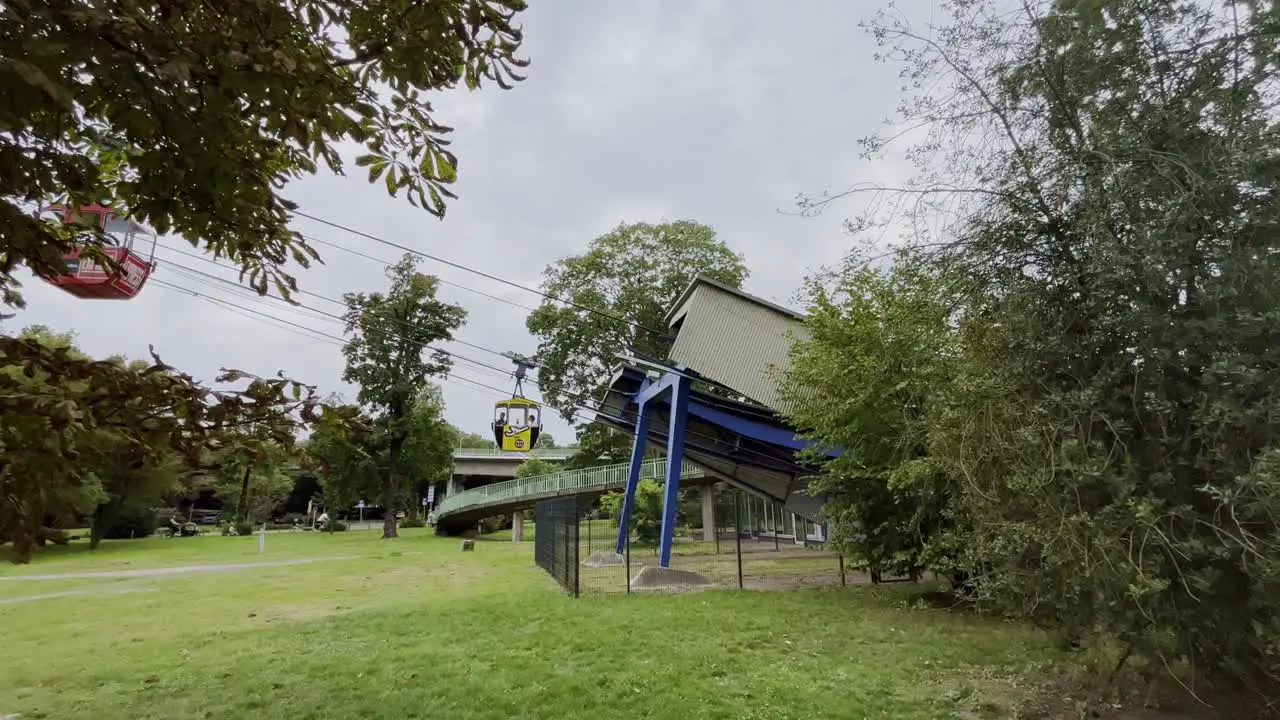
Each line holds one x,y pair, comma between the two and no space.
499,453
565,482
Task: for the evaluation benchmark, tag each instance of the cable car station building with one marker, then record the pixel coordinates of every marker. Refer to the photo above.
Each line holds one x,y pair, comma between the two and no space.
739,345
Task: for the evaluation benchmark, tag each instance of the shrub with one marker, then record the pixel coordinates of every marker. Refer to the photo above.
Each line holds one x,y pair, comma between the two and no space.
338,525
646,514
494,523
415,522
130,524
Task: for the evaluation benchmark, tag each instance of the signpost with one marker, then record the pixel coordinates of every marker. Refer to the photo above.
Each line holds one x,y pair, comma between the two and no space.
360,505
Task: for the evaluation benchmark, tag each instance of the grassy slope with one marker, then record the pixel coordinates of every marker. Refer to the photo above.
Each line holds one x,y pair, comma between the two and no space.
413,628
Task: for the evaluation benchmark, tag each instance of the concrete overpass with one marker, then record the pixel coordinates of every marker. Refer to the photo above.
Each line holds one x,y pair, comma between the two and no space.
476,467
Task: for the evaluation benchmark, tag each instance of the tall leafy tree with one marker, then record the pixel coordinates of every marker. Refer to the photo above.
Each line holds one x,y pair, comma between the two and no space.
355,464
1110,412
628,278
428,451
192,119
879,340
391,357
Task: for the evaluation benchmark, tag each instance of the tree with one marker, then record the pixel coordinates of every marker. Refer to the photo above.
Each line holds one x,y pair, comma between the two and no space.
69,423
472,440
646,513
545,441
535,466
252,478
391,358
428,450
879,339
628,278
191,120
355,465
346,462
1112,253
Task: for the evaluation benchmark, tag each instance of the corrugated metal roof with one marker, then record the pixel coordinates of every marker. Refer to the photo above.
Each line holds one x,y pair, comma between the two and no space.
735,339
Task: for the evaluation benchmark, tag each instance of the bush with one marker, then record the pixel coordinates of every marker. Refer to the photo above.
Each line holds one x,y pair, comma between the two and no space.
241,528
494,523
646,513
338,525
416,522
130,524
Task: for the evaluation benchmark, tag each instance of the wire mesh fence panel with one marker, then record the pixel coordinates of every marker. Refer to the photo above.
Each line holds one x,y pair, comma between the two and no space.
724,538
781,550
555,542
602,570
703,551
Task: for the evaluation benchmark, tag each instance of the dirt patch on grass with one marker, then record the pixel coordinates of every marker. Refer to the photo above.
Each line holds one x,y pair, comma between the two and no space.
1065,695
300,612
796,581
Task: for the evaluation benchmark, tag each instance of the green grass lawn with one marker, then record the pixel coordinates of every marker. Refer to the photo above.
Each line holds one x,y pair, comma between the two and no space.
413,628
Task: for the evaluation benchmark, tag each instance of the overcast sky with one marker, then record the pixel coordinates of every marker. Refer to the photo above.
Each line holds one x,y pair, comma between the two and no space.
715,111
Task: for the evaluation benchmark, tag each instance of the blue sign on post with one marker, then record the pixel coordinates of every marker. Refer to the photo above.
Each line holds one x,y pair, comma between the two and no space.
360,503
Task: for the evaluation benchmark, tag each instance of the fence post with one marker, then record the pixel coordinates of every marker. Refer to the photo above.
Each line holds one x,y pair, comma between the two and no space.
737,532
777,525
842,581
577,548
716,522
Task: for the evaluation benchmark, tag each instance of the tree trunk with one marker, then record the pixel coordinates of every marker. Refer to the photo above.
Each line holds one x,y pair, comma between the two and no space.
101,516
391,499
242,510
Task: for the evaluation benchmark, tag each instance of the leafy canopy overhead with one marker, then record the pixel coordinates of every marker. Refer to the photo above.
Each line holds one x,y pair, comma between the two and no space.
192,117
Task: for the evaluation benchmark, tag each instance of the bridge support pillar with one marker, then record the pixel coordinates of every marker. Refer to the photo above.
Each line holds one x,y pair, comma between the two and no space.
453,486
708,513
517,526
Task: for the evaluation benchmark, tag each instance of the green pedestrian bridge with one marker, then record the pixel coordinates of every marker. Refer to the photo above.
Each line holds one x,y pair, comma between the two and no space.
461,511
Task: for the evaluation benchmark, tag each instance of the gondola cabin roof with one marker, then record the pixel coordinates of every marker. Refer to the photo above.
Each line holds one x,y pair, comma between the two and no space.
516,402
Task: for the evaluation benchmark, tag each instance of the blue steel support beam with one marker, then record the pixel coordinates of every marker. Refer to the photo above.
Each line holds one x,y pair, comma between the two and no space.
633,476
652,390
675,461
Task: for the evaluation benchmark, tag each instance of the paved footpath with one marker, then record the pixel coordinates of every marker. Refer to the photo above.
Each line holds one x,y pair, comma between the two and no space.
158,572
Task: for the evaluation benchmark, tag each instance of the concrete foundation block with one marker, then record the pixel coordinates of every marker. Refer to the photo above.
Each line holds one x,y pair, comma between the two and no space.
604,558
652,577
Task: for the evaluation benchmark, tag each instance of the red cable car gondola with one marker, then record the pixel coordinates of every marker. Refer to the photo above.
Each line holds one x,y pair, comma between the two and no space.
85,277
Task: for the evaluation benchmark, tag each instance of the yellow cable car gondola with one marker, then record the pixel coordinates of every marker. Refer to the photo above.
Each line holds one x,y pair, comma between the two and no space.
517,422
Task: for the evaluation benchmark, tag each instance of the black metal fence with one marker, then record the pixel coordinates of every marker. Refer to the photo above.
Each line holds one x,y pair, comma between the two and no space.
555,542
725,538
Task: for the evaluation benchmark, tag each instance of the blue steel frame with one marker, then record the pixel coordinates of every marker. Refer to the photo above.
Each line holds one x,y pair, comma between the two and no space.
678,385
